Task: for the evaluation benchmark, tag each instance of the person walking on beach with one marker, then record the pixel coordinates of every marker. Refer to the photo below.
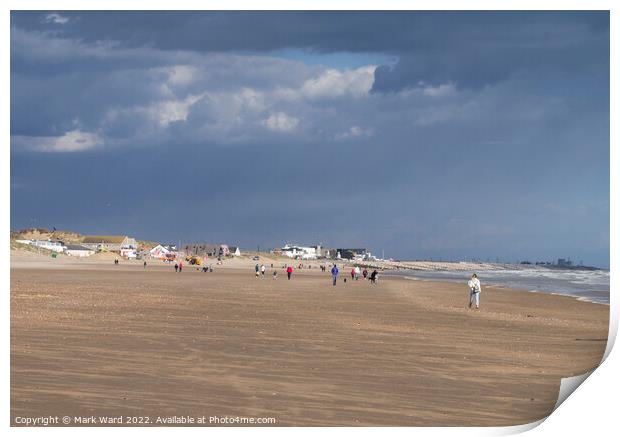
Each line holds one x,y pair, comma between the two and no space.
289,272
353,273
144,265
256,269
335,272
474,290
262,269
357,272
180,266
365,273
275,275
373,276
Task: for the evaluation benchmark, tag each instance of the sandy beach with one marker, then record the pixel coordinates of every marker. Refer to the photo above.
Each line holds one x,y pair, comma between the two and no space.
90,338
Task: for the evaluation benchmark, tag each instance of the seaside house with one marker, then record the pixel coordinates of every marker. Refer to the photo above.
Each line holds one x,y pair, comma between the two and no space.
300,252
53,245
78,250
353,254
110,243
130,253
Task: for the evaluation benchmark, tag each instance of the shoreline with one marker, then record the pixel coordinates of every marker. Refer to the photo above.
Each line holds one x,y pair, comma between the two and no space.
503,287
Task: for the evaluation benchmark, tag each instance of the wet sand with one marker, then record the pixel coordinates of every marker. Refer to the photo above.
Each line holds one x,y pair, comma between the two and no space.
108,341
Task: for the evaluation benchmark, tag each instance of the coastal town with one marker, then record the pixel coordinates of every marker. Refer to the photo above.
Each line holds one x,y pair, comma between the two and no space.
71,244
129,248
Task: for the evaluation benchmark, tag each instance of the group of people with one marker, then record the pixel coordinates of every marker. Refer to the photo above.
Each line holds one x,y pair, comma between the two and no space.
260,270
355,274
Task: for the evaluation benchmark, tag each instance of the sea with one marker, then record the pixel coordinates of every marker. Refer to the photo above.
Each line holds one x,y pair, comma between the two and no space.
587,285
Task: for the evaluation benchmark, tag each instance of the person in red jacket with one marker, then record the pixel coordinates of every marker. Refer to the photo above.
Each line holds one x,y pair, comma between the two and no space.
289,272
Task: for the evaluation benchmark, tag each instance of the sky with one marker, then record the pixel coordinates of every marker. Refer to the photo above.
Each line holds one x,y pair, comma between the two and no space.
423,135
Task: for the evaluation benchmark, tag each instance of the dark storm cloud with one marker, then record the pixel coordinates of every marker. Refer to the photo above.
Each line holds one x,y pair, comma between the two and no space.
488,137
469,48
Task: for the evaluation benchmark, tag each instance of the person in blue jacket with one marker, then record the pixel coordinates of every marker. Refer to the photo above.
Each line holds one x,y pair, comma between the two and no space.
335,272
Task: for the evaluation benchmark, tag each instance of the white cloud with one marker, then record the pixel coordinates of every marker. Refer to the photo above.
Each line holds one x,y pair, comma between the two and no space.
72,141
280,122
182,75
443,90
354,132
169,111
334,83
56,19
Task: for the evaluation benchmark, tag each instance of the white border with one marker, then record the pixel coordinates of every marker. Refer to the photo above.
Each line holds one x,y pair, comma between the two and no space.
591,410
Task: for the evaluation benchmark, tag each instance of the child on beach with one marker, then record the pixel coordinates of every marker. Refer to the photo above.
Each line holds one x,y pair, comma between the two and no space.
474,290
275,275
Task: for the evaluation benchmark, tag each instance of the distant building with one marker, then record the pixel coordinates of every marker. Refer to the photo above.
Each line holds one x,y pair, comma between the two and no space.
53,245
109,243
299,252
352,254
329,253
564,262
234,251
128,253
78,250
206,249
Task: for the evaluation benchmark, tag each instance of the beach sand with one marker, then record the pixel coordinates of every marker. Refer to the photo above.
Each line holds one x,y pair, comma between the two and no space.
96,339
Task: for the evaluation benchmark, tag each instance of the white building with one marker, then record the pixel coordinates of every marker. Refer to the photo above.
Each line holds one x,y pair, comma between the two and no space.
78,250
109,243
55,246
129,253
300,252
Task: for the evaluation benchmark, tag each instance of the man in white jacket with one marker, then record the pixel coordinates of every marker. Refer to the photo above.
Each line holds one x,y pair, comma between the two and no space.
474,290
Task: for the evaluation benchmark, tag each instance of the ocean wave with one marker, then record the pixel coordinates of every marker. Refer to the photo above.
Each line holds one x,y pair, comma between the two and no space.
588,285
